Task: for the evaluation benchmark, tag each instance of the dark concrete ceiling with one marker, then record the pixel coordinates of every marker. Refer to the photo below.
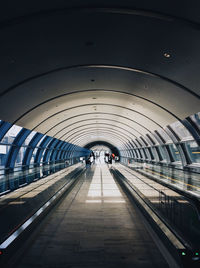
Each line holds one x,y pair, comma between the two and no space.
85,71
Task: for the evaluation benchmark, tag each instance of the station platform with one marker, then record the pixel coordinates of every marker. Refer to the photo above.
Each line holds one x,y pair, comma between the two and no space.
94,225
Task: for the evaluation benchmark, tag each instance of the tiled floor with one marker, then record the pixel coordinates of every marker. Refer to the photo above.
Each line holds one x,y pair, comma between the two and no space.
94,226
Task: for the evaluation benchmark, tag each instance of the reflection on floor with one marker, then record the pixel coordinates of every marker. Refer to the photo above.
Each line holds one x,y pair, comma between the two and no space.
95,226
103,187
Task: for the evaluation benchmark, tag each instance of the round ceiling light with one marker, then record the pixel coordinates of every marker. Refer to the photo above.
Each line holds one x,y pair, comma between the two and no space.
167,55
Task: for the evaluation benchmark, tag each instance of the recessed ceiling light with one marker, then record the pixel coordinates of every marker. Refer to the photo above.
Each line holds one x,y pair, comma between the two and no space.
167,55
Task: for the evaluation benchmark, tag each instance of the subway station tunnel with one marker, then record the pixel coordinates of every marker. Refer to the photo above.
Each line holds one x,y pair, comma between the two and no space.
83,78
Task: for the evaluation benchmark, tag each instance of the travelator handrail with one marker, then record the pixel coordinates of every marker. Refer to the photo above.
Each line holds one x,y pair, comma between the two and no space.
194,200
184,249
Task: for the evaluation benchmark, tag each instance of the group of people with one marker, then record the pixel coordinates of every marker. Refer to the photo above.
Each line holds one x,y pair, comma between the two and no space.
109,158
90,160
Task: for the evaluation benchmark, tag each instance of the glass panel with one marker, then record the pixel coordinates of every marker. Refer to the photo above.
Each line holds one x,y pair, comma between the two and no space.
20,156
139,153
11,134
29,138
144,141
153,138
174,152
154,153
43,155
180,130
137,143
133,153
196,118
193,150
4,149
142,153
33,155
147,154
136,153
148,140
161,153
41,140
164,135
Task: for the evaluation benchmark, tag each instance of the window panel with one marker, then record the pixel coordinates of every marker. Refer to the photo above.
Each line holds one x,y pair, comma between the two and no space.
136,153
142,153
164,135
161,153
4,149
144,141
11,134
29,138
41,140
193,151
43,153
154,153
152,138
133,153
33,156
175,152
196,119
147,153
139,153
137,143
180,130
20,156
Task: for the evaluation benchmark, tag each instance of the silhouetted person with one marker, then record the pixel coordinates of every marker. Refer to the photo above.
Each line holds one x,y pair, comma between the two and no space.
88,162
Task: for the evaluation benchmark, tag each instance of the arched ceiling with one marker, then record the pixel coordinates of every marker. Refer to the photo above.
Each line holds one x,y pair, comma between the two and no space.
99,70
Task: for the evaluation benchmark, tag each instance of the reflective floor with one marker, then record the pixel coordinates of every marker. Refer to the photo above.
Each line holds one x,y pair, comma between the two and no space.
103,188
95,225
